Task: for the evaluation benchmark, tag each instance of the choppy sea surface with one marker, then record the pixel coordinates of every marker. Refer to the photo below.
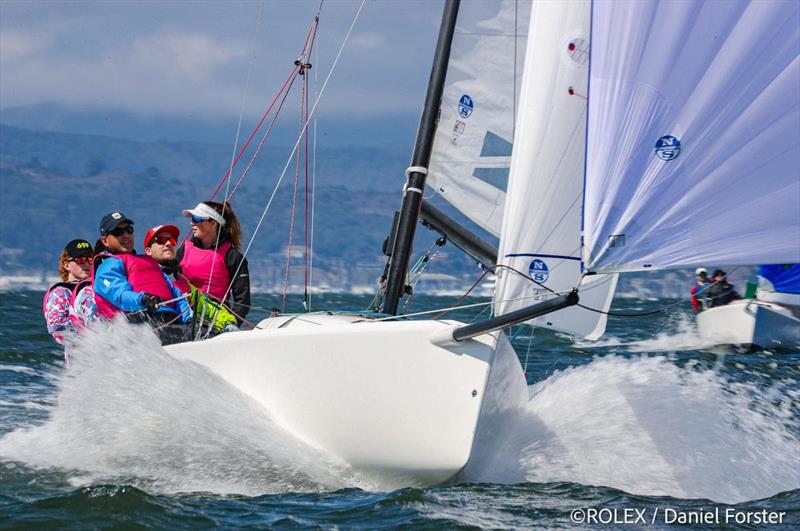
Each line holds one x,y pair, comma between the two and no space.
647,427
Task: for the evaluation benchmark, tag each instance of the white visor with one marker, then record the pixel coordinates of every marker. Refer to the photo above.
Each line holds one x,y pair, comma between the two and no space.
700,270
205,211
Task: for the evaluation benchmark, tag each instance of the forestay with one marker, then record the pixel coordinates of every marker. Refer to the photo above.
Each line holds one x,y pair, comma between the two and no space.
541,228
693,136
472,146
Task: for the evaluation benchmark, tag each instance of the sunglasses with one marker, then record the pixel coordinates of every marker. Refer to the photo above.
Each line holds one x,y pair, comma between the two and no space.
122,230
162,240
198,219
82,260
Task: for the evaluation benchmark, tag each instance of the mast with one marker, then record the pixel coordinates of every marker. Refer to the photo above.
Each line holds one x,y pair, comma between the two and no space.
417,172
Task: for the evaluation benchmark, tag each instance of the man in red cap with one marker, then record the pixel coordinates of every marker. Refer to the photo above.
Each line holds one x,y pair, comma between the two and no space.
160,243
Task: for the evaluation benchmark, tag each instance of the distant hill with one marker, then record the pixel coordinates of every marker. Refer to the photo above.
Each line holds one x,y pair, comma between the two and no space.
56,186
396,130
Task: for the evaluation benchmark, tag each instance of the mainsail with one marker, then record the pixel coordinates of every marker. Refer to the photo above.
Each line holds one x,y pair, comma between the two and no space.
693,135
541,228
472,146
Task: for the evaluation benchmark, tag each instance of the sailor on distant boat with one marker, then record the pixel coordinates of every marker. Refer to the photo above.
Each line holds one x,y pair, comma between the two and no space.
701,282
211,259
135,285
69,305
721,292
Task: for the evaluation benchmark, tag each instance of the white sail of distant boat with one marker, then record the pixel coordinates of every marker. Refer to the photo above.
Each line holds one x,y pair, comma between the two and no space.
541,229
472,147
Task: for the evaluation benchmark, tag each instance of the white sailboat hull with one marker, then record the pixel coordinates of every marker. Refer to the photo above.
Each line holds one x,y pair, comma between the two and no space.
749,323
378,395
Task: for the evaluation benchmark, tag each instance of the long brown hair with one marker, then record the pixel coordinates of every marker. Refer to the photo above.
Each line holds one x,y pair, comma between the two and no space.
99,247
231,230
62,265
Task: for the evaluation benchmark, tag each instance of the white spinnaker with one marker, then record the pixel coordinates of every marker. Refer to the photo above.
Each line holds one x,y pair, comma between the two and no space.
472,147
723,78
541,228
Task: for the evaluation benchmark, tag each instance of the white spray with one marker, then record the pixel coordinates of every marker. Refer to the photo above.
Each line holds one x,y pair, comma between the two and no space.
128,411
647,426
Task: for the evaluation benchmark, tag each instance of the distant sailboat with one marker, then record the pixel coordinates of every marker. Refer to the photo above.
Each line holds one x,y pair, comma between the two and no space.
771,319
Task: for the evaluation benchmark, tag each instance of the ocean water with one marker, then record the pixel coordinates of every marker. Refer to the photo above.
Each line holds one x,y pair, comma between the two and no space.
647,427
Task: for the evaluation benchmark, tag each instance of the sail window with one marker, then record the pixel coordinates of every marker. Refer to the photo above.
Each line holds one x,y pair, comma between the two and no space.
616,240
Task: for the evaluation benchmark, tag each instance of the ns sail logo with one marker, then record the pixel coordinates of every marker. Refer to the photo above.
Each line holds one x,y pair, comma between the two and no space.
668,147
465,106
539,271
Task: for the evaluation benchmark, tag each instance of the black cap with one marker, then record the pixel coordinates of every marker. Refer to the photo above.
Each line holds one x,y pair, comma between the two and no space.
112,221
719,272
78,248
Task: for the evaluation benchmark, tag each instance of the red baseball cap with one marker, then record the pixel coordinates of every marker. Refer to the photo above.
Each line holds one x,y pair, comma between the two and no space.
171,230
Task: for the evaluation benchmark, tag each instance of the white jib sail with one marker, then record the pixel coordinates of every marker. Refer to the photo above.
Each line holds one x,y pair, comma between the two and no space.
472,147
694,134
541,228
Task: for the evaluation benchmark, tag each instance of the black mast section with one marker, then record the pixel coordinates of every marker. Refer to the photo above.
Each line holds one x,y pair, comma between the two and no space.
412,196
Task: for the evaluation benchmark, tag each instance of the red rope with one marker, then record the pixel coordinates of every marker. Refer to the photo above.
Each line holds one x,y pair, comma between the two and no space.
312,31
263,141
253,134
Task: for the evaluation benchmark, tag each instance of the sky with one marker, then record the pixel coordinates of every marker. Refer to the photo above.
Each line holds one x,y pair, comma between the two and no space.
191,58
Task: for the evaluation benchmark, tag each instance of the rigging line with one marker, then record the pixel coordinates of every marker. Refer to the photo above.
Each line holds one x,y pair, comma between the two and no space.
311,30
263,141
464,296
291,221
305,156
285,89
297,143
234,157
255,130
528,352
313,178
298,69
248,77
445,310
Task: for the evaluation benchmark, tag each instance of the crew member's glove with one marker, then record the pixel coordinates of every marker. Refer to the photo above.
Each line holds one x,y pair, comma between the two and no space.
151,302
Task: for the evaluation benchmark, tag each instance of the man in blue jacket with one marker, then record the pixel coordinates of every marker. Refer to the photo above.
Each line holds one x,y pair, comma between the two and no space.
125,282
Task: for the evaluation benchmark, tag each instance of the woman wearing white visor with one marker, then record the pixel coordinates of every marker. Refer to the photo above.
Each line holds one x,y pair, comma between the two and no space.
211,260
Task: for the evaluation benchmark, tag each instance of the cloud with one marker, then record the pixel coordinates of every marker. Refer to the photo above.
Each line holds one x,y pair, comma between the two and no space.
194,56
17,45
369,41
165,58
